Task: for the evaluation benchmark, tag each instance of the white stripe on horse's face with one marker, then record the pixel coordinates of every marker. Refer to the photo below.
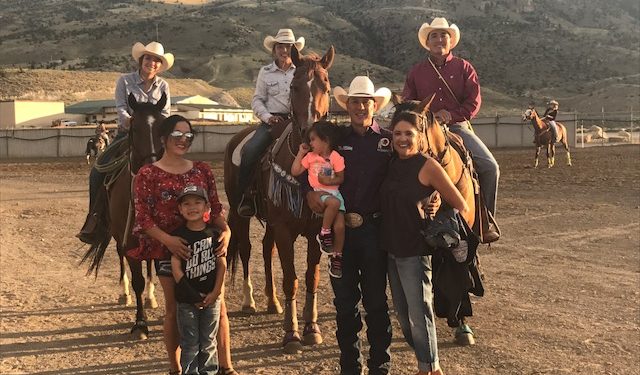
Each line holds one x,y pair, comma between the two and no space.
150,121
310,106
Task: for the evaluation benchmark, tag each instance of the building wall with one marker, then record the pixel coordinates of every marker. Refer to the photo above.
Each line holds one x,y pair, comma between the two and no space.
25,114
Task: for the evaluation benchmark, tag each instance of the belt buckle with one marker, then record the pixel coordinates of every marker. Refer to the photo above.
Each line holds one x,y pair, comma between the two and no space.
353,220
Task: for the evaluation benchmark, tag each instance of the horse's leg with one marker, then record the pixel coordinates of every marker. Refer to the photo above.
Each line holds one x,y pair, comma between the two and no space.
284,241
268,250
240,240
565,143
125,297
139,329
537,155
549,145
150,301
311,335
553,154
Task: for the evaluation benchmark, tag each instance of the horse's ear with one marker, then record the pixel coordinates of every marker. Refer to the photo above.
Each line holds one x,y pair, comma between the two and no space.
327,59
296,56
162,102
396,98
133,103
424,105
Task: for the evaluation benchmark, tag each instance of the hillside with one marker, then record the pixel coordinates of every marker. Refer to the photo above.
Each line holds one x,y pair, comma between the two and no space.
522,49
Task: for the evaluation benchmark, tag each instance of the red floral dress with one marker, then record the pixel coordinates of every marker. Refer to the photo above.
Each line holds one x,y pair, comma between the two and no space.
156,193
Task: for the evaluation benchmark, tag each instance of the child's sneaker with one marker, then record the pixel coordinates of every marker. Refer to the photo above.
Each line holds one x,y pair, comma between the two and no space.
326,243
335,266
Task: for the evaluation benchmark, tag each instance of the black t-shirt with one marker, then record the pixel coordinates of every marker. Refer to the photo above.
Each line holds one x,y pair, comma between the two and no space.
200,270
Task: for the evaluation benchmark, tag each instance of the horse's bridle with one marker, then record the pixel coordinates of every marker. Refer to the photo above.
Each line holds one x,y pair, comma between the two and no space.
424,119
152,156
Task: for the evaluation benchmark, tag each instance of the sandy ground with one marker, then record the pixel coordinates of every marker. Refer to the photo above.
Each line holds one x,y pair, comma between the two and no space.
563,285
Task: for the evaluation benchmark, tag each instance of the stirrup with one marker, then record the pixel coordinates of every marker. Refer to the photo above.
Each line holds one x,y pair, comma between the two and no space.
247,206
87,233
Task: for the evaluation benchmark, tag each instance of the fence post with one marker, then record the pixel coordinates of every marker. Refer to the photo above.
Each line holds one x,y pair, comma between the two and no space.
496,128
582,131
59,141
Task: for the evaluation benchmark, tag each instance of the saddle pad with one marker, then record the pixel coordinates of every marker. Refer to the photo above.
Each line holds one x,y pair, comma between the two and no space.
236,157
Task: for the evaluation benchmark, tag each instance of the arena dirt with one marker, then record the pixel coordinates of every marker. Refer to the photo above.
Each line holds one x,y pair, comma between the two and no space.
562,284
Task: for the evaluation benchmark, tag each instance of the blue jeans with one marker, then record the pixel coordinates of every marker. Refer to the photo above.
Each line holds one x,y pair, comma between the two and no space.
251,153
485,164
411,290
364,276
554,129
198,329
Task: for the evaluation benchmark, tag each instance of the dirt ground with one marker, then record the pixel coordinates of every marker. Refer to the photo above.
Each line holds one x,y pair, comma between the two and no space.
563,284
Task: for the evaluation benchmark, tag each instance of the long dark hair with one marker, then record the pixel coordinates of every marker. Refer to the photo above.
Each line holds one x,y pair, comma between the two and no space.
326,131
417,120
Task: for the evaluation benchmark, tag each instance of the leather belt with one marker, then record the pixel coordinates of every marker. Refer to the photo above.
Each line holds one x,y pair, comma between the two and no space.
355,220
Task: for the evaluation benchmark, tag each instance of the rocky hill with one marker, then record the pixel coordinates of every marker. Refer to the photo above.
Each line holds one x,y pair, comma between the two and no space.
522,49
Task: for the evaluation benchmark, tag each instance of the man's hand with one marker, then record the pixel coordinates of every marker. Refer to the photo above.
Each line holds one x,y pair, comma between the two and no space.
275,120
443,116
314,202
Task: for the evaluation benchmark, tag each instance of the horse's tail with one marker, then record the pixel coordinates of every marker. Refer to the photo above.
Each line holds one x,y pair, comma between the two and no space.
96,250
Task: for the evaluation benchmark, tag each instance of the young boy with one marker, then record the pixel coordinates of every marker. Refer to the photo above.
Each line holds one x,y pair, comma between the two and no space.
199,284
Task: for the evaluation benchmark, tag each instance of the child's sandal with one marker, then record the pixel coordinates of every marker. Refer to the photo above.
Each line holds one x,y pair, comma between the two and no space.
227,371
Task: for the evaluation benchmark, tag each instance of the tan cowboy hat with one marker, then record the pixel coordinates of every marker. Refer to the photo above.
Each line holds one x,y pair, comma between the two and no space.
553,102
439,23
362,87
153,49
284,36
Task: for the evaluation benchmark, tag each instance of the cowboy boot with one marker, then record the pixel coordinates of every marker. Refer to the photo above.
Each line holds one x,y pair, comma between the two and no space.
247,206
87,233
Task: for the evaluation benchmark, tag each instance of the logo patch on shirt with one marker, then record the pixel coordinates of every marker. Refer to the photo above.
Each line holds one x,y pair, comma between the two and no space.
345,148
384,145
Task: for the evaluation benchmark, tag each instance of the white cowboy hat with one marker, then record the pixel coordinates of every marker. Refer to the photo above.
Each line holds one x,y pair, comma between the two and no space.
153,49
362,87
284,36
553,102
439,23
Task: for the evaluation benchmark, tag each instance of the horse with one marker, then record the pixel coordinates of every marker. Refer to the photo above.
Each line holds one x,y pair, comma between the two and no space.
543,137
281,204
446,148
95,147
143,147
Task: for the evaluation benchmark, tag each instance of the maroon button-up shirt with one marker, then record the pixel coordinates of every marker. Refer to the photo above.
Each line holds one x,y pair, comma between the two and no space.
422,82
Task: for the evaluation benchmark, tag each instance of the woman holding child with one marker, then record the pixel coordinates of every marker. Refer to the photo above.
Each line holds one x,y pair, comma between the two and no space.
157,187
410,179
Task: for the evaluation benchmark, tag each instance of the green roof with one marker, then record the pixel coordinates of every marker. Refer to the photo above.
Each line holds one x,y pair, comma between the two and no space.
89,106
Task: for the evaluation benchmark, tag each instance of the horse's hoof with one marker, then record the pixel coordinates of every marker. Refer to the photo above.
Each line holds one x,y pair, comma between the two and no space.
249,309
311,334
140,330
291,343
125,300
464,336
151,303
274,308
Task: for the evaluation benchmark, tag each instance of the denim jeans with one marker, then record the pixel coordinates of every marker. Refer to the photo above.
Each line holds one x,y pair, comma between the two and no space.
251,153
484,163
364,276
198,329
411,290
554,129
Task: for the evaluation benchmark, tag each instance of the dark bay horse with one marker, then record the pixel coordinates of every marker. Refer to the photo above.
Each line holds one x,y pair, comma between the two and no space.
439,146
543,137
144,147
281,204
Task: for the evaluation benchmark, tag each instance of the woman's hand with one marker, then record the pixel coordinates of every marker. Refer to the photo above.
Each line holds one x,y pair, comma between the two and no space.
225,237
432,204
177,246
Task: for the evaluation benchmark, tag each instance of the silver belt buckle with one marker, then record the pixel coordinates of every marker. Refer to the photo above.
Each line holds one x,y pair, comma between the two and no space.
353,220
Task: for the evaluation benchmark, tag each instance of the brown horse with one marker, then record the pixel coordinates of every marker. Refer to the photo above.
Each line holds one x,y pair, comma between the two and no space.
439,146
543,137
144,147
281,204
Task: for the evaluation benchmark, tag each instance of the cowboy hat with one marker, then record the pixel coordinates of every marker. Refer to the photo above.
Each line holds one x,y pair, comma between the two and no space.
362,87
553,102
153,49
438,23
284,36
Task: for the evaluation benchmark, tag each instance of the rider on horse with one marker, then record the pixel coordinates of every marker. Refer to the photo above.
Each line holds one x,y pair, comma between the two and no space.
550,118
271,105
145,86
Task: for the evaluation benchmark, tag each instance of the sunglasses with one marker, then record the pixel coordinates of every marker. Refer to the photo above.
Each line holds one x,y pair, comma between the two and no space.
177,134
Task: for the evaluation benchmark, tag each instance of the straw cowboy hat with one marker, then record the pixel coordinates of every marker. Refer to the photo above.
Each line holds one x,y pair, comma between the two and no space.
153,49
284,36
439,23
553,102
362,87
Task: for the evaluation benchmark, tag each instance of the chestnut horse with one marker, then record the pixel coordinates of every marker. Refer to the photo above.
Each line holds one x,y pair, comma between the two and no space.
143,147
543,136
439,146
281,204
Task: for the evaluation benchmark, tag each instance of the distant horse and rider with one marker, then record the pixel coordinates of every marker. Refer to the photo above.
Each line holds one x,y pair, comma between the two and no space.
544,136
95,146
280,203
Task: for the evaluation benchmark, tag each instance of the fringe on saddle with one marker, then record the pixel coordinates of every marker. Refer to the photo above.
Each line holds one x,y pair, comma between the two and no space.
118,160
284,189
